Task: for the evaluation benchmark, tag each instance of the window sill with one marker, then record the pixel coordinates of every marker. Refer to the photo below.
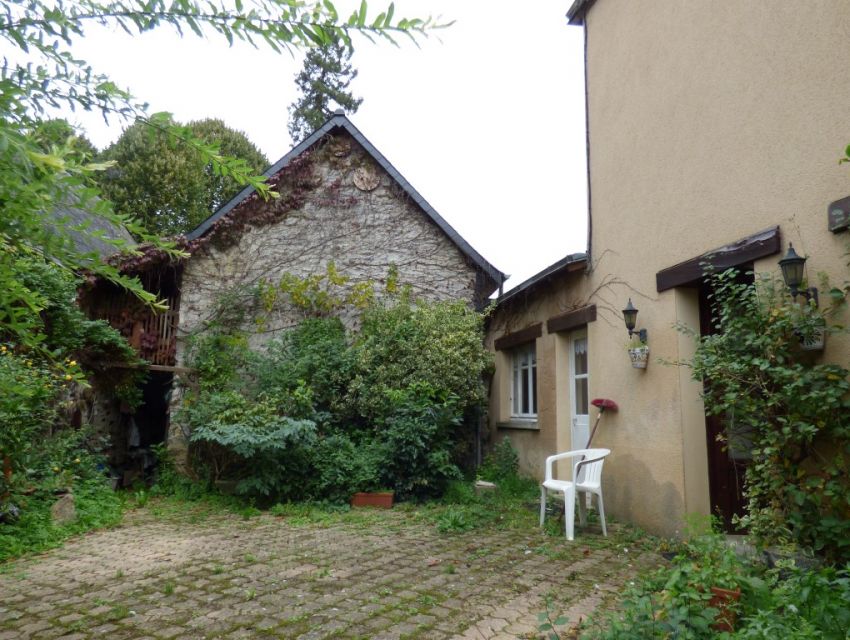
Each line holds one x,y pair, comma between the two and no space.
529,424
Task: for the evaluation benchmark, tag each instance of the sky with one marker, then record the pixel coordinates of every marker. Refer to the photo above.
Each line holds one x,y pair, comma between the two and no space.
485,119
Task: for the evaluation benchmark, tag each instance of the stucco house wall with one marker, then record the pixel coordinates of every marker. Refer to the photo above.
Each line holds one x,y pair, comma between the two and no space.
708,122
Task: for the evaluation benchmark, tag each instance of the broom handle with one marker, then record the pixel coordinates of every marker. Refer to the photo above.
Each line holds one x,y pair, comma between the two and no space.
595,424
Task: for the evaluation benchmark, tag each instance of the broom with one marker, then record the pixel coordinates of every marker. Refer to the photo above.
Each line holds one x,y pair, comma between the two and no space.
602,404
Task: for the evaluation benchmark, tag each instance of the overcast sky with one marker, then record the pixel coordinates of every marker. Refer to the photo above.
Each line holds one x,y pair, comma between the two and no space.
486,122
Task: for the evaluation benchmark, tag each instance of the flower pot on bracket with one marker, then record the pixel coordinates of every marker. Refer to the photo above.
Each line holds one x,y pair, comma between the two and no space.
639,356
721,599
379,499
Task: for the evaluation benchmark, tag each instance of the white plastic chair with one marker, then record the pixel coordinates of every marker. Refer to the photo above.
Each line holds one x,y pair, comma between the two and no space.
587,478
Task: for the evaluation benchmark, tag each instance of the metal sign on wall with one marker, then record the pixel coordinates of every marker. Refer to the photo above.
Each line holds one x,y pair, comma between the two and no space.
839,215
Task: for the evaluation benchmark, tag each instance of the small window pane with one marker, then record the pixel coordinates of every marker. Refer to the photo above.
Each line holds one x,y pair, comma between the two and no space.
524,382
534,390
581,396
580,348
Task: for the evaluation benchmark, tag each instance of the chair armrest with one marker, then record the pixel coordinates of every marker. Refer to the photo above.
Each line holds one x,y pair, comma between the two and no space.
581,463
560,456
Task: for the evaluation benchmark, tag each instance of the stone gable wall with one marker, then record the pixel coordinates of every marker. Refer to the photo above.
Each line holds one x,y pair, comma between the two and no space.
354,215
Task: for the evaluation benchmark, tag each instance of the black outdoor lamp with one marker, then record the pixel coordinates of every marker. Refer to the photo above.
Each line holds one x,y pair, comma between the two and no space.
792,267
630,316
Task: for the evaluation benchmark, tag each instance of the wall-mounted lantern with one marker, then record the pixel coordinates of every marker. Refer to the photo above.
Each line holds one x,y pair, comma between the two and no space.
630,316
793,267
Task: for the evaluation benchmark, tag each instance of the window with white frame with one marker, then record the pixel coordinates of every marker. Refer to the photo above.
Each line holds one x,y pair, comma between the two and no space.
524,382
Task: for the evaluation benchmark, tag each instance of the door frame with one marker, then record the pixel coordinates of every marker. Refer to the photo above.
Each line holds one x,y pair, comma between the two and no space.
578,334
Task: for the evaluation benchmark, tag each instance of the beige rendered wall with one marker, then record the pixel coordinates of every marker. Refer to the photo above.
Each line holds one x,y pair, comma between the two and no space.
708,121
550,433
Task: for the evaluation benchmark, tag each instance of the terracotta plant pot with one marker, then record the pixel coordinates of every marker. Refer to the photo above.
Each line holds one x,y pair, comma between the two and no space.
720,600
380,499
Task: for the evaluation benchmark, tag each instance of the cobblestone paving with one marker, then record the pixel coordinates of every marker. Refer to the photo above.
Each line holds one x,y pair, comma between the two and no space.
379,575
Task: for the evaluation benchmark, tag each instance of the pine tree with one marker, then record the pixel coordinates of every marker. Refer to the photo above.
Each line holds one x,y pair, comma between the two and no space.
323,82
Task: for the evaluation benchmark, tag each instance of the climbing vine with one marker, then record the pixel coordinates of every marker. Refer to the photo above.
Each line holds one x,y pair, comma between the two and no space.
791,411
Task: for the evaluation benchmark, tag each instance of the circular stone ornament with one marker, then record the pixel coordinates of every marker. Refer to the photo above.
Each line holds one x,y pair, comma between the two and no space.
366,179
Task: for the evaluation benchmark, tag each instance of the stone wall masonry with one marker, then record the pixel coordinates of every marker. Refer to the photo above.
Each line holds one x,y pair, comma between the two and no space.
363,231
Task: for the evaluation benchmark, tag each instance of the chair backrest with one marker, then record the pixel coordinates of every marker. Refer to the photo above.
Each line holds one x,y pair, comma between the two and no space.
591,474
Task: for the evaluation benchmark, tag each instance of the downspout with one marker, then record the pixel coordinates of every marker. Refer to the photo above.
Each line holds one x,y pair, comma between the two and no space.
587,154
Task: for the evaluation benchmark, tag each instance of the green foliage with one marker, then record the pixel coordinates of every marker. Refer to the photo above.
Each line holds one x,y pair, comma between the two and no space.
344,467
405,437
502,463
402,344
66,460
246,439
323,84
797,604
312,360
793,415
170,186
673,601
56,133
417,438
27,406
319,295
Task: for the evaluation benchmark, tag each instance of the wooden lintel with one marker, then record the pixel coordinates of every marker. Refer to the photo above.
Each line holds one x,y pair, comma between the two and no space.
571,319
523,336
169,369
152,367
759,245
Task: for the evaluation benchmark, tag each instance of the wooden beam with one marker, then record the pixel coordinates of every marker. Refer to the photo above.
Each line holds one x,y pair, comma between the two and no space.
523,336
759,245
152,367
571,319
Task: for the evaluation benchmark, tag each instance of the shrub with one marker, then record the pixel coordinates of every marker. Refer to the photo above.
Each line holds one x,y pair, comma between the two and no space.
502,463
247,441
344,467
417,436
399,345
321,415
796,414
27,407
310,366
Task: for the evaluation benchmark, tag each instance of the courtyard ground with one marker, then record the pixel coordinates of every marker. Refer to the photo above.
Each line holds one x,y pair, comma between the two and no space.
184,570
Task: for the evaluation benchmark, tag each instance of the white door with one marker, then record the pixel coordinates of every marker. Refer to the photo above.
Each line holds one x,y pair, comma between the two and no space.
579,402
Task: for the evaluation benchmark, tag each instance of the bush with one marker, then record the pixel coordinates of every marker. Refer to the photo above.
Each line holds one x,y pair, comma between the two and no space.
247,441
344,467
417,438
67,460
399,345
796,415
502,463
30,389
322,414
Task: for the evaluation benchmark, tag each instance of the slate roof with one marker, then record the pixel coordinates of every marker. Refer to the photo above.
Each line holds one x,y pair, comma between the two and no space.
70,215
577,11
565,265
340,121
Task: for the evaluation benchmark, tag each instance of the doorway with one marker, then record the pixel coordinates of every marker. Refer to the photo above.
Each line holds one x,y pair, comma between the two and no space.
579,386
728,450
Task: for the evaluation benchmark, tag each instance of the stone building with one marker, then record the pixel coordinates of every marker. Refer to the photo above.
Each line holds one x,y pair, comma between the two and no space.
342,204
343,210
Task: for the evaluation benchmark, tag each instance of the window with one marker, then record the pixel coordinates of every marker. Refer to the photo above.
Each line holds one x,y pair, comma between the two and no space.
524,382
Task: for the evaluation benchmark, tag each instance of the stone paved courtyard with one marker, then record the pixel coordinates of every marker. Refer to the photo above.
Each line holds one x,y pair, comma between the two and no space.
364,574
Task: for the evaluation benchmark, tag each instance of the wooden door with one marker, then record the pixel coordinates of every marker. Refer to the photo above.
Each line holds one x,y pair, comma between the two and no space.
728,454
